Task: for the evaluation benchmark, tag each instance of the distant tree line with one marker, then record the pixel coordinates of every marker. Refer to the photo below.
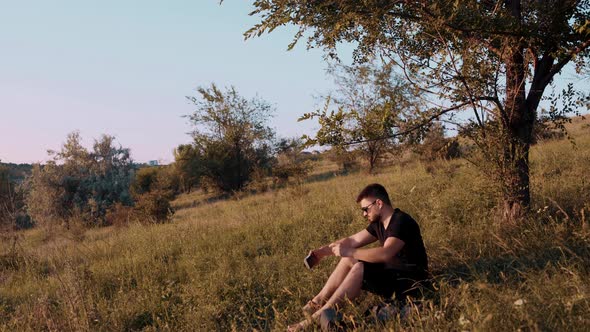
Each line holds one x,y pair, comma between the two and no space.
233,149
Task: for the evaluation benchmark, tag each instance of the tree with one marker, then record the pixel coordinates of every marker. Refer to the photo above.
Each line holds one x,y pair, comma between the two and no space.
111,173
372,102
231,136
80,183
493,59
188,164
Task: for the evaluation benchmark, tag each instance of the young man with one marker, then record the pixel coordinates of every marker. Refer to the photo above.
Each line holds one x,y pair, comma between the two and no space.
393,268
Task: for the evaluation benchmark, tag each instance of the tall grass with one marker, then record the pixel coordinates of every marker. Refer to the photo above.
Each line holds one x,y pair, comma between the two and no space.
237,264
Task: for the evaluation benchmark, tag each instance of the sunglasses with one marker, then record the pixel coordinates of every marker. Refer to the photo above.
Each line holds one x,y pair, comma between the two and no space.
366,208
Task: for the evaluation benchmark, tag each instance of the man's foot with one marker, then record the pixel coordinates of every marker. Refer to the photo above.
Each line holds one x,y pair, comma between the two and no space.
302,325
311,307
330,320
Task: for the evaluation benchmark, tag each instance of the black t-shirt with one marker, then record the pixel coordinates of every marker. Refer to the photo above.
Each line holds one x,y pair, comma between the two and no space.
412,256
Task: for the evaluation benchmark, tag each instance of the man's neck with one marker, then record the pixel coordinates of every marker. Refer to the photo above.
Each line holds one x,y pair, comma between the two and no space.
386,216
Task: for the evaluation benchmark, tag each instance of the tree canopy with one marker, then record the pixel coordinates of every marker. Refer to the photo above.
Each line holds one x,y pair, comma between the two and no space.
231,136
492,59
372,103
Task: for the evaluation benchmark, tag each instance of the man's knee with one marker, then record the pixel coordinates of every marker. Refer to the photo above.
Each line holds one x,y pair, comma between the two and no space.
357,267
349,261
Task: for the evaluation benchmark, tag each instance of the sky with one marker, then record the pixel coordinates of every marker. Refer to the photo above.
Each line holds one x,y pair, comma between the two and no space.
124,68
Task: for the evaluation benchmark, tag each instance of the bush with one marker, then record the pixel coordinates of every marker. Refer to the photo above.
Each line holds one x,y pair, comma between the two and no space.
80,183
6,194
119,215
347,160
290,162
153,206
286,168
153,188
156,177
145,180
546,130
188,166
436,146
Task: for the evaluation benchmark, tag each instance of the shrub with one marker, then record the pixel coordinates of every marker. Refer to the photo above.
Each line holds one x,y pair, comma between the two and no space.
435,145
546,130
347,160
119,215
290,162
80,183
286,168
145,180
6,194
153,206
188,166
153,178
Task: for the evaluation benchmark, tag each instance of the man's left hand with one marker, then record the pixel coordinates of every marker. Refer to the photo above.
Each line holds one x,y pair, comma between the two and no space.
340,250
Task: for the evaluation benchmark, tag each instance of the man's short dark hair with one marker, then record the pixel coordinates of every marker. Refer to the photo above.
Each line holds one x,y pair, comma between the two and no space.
374,190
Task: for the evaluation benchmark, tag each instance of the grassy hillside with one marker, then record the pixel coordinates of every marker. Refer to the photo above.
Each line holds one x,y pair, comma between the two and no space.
237,264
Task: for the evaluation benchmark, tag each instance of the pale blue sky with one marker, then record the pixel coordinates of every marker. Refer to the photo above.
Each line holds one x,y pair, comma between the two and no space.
124,68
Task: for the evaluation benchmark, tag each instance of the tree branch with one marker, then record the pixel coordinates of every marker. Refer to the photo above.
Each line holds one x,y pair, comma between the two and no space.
413,128
557,68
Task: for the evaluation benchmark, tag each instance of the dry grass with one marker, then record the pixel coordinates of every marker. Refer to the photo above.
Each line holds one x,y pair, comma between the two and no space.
236,264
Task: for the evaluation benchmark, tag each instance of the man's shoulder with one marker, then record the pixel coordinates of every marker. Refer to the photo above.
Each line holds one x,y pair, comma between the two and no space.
372,228
401,216
405,223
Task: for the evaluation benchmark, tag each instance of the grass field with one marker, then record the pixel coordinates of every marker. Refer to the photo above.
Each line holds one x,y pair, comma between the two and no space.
237,264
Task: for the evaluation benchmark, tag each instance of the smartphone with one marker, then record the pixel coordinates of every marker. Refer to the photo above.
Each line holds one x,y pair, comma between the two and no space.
311,260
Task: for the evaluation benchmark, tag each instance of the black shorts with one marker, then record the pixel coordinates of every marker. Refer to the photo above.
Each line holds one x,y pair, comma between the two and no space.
386,281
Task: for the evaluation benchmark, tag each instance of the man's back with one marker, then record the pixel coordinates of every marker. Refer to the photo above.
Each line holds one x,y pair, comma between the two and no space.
412,256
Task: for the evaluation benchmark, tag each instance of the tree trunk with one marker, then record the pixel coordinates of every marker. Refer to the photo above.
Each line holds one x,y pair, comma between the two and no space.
518,129
516,182
517,122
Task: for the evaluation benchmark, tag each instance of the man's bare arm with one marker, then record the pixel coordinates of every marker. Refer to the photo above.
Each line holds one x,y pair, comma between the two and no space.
383,254
357,240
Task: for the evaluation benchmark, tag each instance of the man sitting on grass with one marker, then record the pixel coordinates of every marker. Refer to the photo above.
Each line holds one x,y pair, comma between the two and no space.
393,268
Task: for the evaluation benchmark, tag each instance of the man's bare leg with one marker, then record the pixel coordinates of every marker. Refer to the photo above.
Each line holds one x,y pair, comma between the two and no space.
349,288
335,280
